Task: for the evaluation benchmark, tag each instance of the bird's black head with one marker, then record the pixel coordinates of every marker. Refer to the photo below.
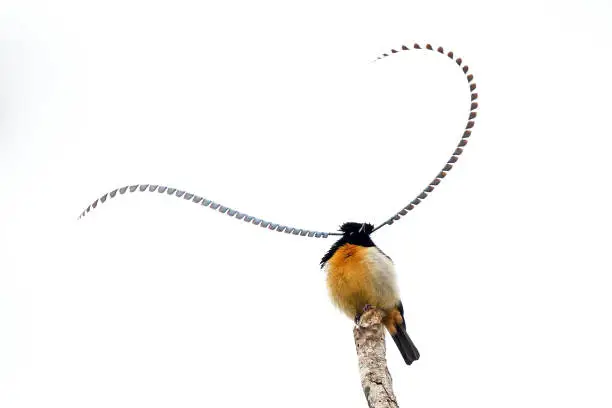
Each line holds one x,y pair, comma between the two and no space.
353,228
355,233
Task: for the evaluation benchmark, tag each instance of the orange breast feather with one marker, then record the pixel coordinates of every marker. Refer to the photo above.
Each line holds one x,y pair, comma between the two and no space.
348,279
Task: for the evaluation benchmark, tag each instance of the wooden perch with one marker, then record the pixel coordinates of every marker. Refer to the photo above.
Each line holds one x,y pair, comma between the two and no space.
375,377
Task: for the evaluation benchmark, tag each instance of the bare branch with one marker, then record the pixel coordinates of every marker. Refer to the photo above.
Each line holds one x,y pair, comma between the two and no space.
375,377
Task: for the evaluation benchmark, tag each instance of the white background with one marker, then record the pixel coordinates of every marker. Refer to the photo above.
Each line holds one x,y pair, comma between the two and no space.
274,108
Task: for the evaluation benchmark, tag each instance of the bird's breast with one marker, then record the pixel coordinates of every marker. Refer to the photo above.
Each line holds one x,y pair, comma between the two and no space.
358,275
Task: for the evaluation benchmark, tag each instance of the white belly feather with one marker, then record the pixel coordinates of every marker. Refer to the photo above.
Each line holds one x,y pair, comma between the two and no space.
384,279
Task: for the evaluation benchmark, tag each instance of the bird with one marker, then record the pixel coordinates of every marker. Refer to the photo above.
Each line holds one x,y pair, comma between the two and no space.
360,276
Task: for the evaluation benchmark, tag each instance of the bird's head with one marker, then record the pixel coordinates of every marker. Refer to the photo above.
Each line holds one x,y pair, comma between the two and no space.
356,229
355,233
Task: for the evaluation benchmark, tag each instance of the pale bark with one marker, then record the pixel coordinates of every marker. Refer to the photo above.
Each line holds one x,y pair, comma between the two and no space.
375,378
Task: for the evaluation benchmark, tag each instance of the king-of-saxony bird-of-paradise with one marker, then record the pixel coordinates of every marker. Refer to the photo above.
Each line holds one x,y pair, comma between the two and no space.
360,276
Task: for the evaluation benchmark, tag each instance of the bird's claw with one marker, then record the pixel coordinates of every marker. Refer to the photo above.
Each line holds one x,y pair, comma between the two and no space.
365,309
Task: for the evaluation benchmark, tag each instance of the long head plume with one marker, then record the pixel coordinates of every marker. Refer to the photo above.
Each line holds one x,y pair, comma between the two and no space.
206,203
467,132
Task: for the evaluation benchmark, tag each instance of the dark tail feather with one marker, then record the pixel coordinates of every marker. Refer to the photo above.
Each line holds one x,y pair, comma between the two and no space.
405,345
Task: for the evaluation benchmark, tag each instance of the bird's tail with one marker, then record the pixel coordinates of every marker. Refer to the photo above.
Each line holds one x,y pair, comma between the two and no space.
405,345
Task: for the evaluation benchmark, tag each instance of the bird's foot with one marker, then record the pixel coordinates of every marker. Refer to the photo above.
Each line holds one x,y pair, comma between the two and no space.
365,309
